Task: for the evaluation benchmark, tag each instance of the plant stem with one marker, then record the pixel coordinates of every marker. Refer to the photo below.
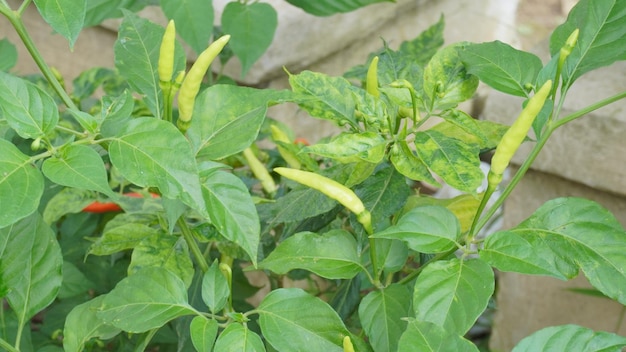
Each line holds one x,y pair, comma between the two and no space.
23,7
145,340
417,271
537,148
600,104
16,21
483,203
7,346
515,180
193,245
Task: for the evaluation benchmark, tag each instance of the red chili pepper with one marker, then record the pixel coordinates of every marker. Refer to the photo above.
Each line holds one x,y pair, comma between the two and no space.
99,207
301,140
107,207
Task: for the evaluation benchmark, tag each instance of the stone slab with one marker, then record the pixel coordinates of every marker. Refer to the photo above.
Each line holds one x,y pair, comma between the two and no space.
526,303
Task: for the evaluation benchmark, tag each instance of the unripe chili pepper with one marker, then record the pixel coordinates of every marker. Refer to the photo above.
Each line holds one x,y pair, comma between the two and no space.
36,144
260,172
332,189
514,136
165,66
347,344
567,49
279,136
371,81
191,84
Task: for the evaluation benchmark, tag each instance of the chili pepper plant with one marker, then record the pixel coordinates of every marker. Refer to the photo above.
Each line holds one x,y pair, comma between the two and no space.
126,226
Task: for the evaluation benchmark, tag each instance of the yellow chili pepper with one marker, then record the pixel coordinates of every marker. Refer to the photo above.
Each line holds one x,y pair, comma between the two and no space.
191,84
332,189
260,172
279,136
347,344
165,66
371,81
514,136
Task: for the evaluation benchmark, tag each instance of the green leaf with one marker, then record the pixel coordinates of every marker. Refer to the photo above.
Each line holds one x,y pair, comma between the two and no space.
74,281
122,237
407,62
492,131
86,121
193,18
391,254
28,109
446,81
67,201
82,324
501,66
571,338
381,313
100,10
238,338
331,7
137,55
333,255
409,164
251,27
117,112
300,204
31,266
425,229
8,55
428,337
463,207
352,148
347,297
283,321
88,81
232,211
215,288
601,41
145,300
455,161
325,97
563,235
78,166
21,184
153,153
66,17
227,119
467,123
453,293
203,333
163,251
383,194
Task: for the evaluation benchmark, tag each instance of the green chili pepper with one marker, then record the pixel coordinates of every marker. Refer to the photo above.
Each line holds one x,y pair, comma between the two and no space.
371,81
259,171
191,84
515,135
165,66
331,189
